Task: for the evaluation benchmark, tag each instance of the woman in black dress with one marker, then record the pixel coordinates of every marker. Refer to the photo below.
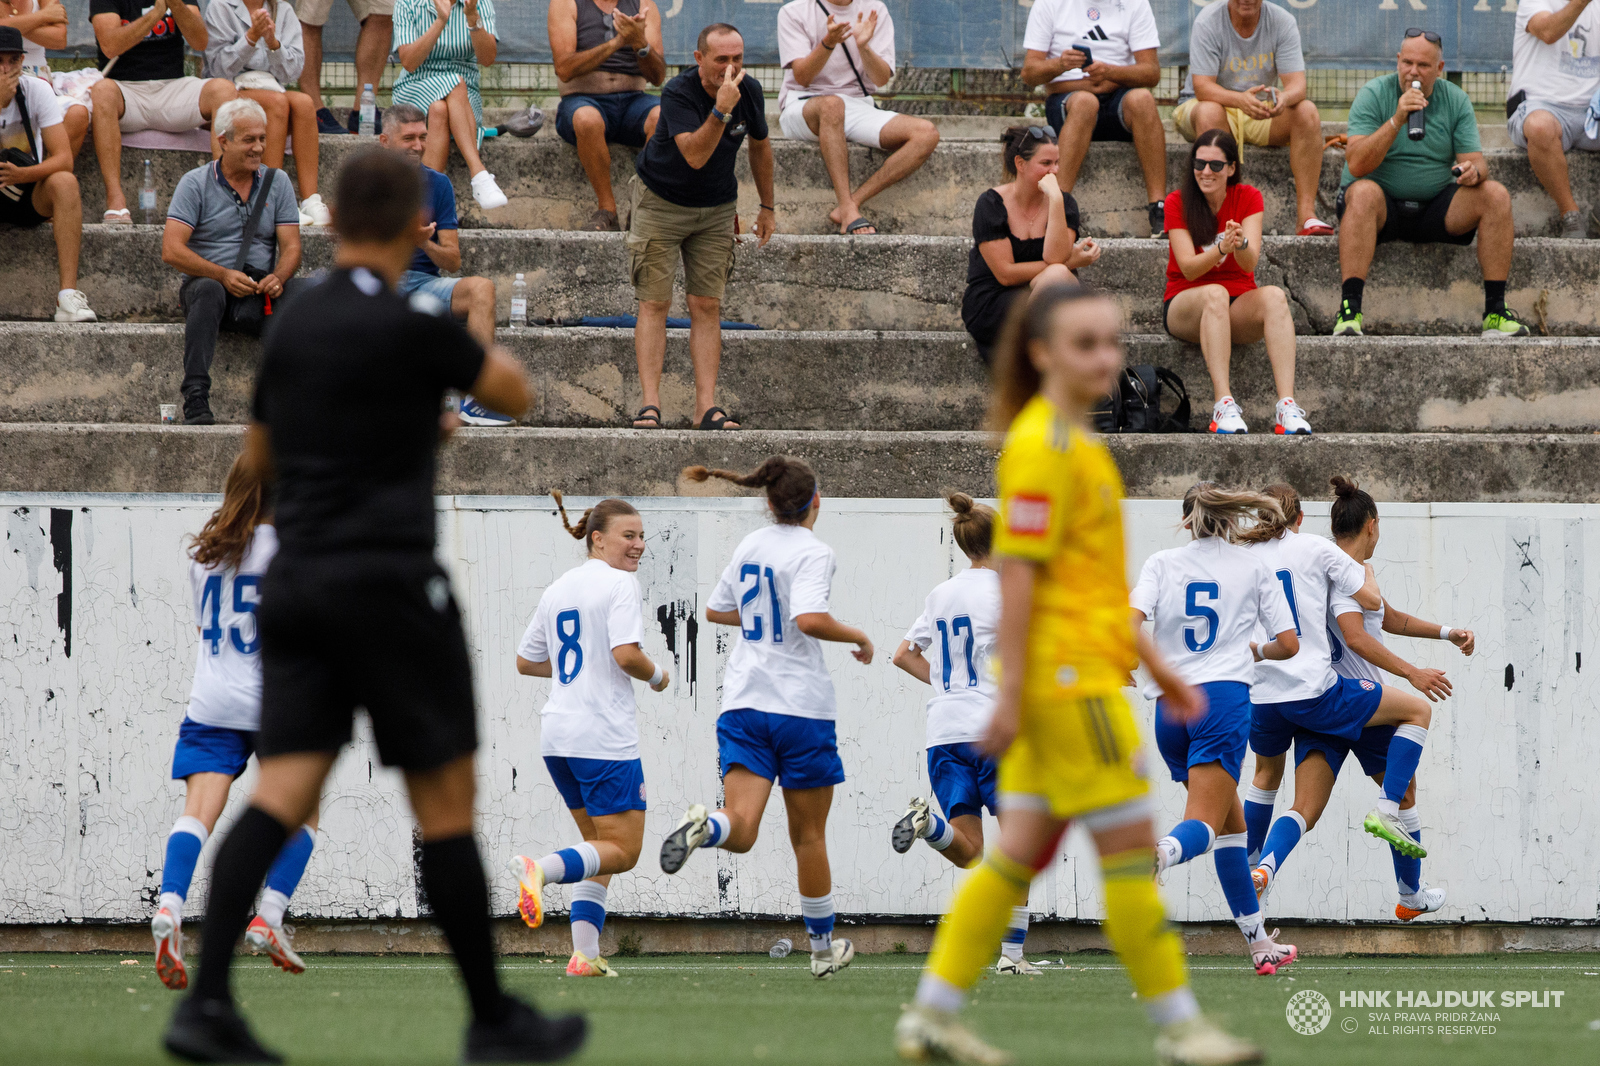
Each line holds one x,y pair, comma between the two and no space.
1024,234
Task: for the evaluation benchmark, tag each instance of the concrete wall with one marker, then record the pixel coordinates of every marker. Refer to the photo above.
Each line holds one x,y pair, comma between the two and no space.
86,732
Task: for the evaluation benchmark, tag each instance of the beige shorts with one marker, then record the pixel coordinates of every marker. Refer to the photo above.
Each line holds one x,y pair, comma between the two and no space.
659,233
171,106
1245,130
315,12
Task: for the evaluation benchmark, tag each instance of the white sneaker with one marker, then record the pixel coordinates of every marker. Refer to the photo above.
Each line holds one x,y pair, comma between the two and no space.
168,933
923,1034
1268,956
1227,418
1019,967
1291,419
1164,857
530,890
824,964
313,212
1199,1042
912,826
274,942
693,831
486,192
73,306
1262,878
1387,828
1424,901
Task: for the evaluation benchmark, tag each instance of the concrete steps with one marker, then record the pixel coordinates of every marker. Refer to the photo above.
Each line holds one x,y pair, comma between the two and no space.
1419,467
547,188
881,283
801,380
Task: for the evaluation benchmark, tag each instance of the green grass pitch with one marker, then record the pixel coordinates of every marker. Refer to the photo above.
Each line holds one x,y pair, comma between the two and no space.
706,1011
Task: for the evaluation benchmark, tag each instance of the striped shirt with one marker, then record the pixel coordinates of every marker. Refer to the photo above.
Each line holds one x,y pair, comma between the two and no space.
452,60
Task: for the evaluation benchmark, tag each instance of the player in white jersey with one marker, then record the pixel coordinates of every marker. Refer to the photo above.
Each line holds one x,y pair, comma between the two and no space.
1205,601
1305,693
218,732
778,707
1355,635
585,634
956,630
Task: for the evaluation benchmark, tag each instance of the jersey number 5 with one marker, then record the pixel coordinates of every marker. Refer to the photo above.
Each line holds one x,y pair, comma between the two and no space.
752,573
1193,609
211,607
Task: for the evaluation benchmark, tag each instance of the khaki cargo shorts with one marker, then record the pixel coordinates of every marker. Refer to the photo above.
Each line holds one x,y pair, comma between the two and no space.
660,232
316,12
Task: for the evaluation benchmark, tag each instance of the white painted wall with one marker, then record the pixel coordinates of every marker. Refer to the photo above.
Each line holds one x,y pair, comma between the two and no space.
86,741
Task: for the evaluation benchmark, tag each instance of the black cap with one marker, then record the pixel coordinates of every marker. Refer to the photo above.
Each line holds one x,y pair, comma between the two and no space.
10,40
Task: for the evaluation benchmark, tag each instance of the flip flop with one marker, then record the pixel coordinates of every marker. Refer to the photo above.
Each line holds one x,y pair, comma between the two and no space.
862,222
642,416
122,217
716,418
1315,227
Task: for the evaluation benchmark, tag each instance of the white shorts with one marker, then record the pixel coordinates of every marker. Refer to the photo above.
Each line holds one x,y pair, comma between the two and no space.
863,120
1571,119
171,106
316,12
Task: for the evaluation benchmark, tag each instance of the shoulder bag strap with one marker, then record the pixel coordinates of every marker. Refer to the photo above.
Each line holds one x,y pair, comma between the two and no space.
843,47
254,220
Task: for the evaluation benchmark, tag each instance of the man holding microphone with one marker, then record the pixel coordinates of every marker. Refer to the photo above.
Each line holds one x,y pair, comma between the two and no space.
1425,186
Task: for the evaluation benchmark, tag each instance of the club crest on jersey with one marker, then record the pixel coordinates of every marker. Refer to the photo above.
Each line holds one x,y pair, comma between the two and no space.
1028,516
1094,14
1368,685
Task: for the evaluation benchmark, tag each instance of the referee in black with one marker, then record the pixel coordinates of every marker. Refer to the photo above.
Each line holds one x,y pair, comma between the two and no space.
356,612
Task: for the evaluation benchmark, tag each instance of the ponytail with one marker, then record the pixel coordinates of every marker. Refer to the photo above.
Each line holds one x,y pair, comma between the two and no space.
1352,508
974,525
595,520
791,485
1273,527
226,536
1213,511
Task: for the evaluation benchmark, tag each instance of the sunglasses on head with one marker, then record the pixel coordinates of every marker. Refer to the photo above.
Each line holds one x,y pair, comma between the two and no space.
1210,164
1037,133
1426,35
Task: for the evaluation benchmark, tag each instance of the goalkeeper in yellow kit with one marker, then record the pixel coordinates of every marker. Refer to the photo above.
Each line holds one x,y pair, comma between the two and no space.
1067,742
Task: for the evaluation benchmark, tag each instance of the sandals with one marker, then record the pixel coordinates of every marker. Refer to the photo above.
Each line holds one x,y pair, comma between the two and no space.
862,222
645,416
122,217
716,418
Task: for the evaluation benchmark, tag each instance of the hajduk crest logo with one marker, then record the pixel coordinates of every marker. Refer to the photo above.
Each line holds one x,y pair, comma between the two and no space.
1309,1012
1094,14
1368,685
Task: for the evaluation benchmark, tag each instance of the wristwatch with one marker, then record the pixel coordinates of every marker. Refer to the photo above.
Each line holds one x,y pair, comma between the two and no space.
642,52
722,118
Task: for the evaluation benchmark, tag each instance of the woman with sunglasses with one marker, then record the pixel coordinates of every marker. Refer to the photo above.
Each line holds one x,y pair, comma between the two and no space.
1214,243
1024,235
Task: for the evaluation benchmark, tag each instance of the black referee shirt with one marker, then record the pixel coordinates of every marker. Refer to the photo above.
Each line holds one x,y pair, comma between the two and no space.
351,380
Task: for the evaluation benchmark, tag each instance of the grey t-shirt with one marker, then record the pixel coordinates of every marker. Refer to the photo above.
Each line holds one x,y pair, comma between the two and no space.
1217,51
207,204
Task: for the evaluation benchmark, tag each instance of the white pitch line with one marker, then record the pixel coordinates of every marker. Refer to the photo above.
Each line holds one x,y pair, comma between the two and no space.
1301,966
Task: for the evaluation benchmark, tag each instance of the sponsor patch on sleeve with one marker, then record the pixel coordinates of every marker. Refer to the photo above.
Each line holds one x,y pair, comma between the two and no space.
1028,516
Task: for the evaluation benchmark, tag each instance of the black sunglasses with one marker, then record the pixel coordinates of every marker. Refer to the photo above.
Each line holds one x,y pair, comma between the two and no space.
1426,35
1038,133
1210,164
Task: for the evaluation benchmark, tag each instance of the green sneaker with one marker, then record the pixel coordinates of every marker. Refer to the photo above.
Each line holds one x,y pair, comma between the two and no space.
1394,834
1502,324
1348,324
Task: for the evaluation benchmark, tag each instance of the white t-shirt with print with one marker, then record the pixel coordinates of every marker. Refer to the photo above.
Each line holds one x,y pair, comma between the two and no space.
1346,662
1112,29
584,614
1205,601
956,631
1567,72
777,573
227,672
1310,570
801,27
44,109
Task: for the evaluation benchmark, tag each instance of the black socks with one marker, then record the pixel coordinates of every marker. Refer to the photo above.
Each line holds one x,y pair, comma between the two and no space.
1351,293
241,866
1494,297
452,876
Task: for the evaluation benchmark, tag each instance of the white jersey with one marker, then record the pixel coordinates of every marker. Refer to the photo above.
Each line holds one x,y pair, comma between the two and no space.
957,631
584,614
1112,30
1205,601
227,670
1346,662
777,574
1311,570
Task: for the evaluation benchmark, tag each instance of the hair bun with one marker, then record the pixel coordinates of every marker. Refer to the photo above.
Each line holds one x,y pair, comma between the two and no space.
1343,487
959,502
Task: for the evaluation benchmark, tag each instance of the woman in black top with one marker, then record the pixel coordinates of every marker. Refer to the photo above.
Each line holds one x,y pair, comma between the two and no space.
1024,234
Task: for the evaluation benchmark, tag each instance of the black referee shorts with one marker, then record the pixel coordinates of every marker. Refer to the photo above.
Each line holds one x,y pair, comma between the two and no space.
1417,222
378,630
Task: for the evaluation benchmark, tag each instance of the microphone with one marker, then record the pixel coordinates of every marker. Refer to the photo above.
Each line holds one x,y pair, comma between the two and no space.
1415,122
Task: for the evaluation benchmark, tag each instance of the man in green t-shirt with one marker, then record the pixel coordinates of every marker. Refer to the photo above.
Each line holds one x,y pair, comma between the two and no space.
1434,190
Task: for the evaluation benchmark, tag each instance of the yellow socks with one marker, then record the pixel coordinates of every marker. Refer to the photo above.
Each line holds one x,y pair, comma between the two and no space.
1136,924
970,934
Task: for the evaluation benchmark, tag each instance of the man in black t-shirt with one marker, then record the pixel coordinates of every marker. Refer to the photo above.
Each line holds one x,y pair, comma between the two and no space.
354,609
684,203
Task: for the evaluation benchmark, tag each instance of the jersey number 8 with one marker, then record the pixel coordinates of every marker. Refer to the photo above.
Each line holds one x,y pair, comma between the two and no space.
568,628
211,604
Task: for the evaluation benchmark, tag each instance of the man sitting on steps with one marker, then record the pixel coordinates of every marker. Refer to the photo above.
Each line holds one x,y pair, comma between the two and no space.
1555,72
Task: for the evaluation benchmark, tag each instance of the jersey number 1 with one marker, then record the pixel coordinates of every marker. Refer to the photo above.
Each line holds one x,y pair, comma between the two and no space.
1287,580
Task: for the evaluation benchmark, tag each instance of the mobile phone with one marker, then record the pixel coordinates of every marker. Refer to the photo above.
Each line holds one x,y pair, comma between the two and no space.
1268,96
1088,55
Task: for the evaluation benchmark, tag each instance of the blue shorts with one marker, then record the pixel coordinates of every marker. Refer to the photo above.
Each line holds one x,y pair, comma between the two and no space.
211,749
598,786
625,115
795,752
1372,750
963,779
1342,711
1220,736
435,285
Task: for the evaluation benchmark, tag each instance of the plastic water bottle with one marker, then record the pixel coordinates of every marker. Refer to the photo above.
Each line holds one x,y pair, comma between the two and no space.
147,195
782,948
519,302
369,112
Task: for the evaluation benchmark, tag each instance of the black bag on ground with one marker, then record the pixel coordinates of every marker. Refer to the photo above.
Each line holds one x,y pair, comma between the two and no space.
1135,405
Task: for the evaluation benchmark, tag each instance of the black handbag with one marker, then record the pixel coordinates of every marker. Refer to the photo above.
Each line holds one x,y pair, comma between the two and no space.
1134,406
19,157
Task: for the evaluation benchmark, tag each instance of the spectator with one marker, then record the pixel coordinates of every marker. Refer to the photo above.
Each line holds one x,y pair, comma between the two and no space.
603,58
46,191
683,205
442,43
150,91
372,53
43,24
1003,264
1212,299
1435,190
1238,52
405,130
257,45
827,97
1099,60
234,277
1555,72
